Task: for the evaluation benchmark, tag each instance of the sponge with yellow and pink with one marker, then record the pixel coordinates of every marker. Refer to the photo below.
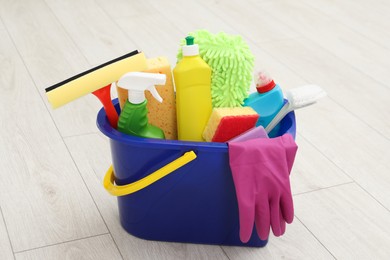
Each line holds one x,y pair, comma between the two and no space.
226,123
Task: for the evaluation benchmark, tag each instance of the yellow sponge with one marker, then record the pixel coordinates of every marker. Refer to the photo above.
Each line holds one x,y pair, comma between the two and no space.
226,123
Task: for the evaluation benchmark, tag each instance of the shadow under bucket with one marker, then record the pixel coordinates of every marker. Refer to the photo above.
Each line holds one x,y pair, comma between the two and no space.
194,204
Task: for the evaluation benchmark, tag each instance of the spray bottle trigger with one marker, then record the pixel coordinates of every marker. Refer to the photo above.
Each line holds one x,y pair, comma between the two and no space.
155,94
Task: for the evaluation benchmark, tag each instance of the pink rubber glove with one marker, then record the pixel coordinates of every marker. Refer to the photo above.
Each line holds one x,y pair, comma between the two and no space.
261,169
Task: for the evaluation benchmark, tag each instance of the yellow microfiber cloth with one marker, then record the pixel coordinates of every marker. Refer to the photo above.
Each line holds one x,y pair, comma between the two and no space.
226,123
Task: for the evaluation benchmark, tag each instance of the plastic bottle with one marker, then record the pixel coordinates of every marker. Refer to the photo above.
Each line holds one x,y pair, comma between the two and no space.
133,119
192,77
267,101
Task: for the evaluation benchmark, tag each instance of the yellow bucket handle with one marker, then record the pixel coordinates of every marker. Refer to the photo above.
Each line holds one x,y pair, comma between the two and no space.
109,178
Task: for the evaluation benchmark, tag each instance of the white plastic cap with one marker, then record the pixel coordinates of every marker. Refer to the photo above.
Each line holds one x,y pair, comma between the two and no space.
190,49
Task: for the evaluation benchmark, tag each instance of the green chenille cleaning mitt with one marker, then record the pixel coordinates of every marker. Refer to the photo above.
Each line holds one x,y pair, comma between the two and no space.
232,65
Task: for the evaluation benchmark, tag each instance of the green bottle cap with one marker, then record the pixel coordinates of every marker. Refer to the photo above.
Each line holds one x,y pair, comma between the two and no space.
190,40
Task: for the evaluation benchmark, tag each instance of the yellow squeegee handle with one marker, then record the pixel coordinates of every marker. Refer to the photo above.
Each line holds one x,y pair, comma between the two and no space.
123,190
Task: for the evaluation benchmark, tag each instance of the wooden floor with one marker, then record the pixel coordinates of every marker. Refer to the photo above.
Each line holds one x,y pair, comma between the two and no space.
52,203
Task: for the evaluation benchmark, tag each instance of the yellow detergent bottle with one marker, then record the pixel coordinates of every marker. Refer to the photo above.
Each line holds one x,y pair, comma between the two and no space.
192,76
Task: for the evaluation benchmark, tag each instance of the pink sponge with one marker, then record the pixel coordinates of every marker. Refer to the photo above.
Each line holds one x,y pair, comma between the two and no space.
226,123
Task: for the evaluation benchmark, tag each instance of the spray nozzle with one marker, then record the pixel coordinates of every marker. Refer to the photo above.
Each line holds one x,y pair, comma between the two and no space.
138,82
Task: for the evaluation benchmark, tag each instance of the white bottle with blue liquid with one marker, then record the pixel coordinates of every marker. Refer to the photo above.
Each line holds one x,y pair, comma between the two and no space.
267,101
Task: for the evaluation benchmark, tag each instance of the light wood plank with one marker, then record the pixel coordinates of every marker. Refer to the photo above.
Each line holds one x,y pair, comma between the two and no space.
348,221
149,32
96,35
92,156
312,170
130,10
50,56
353,48
365,160
94,248
5,245
146,27
43,197
296,243
367,18
187,18
254,23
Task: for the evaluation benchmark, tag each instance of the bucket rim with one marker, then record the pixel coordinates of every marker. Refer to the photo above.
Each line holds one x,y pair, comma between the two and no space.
104,126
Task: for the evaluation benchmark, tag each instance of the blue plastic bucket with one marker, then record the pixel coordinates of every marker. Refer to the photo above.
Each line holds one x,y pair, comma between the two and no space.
194,204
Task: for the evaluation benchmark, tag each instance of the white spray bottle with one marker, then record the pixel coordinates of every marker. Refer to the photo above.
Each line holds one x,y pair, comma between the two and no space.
133,119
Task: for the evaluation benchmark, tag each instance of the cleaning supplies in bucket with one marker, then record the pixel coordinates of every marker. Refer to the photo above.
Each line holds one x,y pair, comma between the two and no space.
192,78
261,169
202,201
133,119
